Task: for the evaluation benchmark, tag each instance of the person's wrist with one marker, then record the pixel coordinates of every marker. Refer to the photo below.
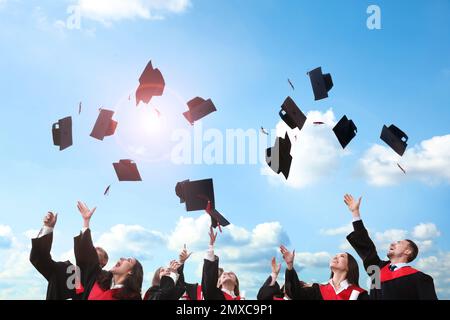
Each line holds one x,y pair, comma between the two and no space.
290,265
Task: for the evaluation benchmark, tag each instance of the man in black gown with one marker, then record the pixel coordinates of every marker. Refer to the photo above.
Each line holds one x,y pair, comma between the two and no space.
394,279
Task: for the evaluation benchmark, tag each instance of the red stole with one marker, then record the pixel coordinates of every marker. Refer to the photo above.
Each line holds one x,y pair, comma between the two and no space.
80,289
229,297
328,292
98,294
276,298
388,275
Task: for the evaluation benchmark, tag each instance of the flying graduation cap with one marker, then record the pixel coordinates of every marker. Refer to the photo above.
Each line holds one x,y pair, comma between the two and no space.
199,195
395,138
291,114
62,133
279,157
127,170
321,83
345,130
198,108
151,84
104,126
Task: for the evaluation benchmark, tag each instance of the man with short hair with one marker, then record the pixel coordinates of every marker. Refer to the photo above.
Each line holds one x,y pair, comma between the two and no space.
398,281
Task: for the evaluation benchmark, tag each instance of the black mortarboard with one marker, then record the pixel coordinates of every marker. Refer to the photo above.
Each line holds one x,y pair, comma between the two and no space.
127,170
104,126
345,130
196,195
291,114
279,157
151,83
62,133
395,138
321,83
198,108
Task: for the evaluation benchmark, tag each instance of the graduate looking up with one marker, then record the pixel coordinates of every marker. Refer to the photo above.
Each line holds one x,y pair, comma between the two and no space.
225,287
342,285
56,273
122,282
395,279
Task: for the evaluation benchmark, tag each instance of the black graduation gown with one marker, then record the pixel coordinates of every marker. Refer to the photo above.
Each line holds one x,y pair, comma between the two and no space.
87,260
298,290
417,286
55,272
209,280
268,292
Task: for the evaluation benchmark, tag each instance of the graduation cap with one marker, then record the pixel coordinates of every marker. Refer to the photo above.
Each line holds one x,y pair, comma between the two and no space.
127,170
104,126
62,133
345,130
321,83
395,138
151,83
199,195
279,157
198,108
291,114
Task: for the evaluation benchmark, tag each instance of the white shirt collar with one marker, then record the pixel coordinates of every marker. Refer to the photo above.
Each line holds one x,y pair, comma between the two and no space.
344,285
115,286
399,265
231,293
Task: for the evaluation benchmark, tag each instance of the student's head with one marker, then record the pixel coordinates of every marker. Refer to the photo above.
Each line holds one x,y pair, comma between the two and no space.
403,251
102,256
159,273
345,263
229,280
130,273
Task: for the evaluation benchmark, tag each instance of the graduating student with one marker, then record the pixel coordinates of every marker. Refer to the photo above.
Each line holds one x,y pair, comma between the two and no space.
397,280
271,289
58,274
343,283
166,283
122,282
225,287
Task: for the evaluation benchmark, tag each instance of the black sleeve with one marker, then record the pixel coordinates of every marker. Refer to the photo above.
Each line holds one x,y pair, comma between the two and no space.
297,290
165,291
87,260
209,280
426,288
364,246
364,296
267,292
40,256
180,286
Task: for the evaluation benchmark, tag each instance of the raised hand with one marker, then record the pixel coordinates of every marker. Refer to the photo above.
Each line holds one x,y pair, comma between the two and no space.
275,267
86,214
212,236
184,255
173,266
353,205
50,219
288,257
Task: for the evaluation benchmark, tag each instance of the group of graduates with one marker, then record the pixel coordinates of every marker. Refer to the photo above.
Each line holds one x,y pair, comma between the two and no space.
396,279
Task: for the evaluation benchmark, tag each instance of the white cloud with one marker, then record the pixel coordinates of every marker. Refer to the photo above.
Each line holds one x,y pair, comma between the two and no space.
313,260
6,237
425,231
437,266
130,240
389,236
344,230
108,11
428,162
316,152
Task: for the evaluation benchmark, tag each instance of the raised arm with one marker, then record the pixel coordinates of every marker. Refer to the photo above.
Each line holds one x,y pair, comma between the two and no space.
359,238
41,246
271,287
210,275
85,252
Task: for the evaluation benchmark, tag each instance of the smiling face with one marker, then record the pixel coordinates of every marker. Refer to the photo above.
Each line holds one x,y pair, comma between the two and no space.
399,250
123,266
339,262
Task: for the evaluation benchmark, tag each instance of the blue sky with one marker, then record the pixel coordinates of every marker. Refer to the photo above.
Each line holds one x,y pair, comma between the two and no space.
240,54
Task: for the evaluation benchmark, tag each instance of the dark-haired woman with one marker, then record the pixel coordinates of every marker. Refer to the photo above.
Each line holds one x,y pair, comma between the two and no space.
122,282
342,285
225,287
